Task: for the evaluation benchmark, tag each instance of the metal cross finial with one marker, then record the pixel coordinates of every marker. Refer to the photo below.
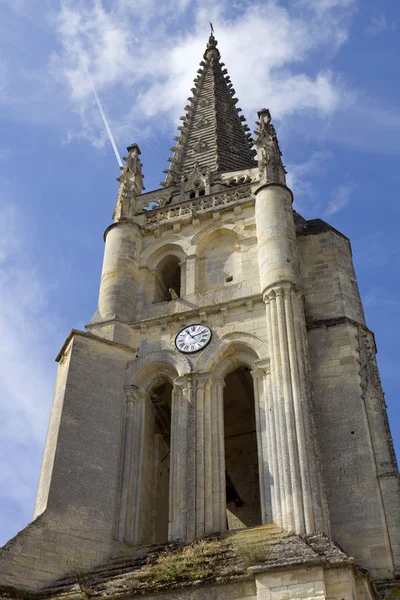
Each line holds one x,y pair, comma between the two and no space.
212,28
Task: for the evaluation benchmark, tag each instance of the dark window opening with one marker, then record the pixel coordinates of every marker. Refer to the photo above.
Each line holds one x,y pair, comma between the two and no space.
161,398
198,190
241,455
168,279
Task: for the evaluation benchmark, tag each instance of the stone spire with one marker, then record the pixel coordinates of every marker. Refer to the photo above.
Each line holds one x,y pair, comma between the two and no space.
213,135
130,184
269,155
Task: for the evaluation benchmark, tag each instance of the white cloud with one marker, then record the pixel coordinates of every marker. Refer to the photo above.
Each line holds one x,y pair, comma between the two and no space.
300,178
296,172
131,52
340,199
380,24
26,382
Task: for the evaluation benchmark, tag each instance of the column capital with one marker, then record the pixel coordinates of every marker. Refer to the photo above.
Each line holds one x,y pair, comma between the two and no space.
218,381
282,288
273,184
180,383
134,394
202,379
263,368
122,223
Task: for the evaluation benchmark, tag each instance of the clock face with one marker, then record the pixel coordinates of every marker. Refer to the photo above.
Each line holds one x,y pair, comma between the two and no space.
193,338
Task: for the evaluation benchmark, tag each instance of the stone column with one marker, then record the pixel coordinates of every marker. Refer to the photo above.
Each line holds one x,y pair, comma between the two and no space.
197,477
210,456
183,456
182,266
217,452
209,451
191,460
294,517
203,426
191,274
298,499
130,490
120,274
263,445
151,286
276,474
174,457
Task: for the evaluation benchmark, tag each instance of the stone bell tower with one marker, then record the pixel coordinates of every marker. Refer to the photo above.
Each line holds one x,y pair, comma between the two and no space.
227,381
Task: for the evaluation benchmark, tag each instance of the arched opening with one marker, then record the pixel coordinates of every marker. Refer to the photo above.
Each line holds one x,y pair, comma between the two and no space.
241,456
158,427
197,189
168,279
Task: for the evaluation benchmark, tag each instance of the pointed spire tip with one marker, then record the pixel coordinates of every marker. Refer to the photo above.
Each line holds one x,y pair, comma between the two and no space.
231,148
211,48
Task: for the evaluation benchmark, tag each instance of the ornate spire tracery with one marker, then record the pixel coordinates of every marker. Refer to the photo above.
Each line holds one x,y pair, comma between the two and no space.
269,155
213,134
130,184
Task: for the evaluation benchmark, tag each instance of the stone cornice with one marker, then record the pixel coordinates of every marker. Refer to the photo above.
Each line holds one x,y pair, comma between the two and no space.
273,184
315,324
317,226
120,224
200,311
77,333
191,209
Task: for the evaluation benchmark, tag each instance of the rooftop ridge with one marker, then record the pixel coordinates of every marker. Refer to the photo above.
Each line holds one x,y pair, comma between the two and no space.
213,134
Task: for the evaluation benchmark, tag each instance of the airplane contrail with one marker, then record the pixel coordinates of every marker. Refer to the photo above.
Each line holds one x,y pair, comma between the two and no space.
103,116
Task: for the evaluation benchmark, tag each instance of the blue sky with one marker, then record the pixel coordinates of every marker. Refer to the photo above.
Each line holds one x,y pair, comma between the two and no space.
327,69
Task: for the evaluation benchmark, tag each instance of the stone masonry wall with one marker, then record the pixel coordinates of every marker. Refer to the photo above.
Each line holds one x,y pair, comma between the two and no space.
361,475
52,433
312,583
354,497
76,530
328,277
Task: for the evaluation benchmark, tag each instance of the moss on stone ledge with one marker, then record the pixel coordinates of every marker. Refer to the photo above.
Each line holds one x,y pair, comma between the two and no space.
230,558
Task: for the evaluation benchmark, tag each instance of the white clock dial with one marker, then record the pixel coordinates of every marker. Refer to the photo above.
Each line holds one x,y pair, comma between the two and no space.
193,338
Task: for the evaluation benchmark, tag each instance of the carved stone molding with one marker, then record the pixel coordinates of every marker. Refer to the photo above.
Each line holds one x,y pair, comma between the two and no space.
202,205
134,394
170,362
283,288
202,122
269,154
369,367
200,146
131,185
256,343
